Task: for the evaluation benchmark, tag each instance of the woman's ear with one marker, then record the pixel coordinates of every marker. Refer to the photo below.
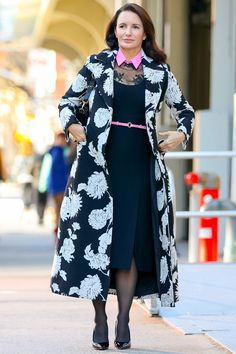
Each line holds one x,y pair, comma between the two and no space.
144,37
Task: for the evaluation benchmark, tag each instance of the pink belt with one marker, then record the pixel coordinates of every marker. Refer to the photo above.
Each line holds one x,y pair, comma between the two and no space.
129,125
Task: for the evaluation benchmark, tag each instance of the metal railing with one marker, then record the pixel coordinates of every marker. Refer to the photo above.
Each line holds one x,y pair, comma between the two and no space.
198,214
189,155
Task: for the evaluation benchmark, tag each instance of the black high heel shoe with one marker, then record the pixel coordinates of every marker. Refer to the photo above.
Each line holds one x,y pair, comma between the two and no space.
100,345
121,345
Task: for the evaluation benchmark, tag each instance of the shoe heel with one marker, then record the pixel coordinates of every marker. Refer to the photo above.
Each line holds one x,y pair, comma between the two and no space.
99,345
121,345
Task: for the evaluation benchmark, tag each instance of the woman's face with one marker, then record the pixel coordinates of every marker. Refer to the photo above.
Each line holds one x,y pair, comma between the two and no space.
129,30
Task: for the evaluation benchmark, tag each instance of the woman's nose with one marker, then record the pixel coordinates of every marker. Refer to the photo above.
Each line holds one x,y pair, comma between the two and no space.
128,31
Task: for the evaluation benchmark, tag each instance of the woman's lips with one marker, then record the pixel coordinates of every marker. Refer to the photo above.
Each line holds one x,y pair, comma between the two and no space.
128,40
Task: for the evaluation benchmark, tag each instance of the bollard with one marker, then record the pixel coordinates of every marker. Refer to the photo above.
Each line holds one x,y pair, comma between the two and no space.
203,236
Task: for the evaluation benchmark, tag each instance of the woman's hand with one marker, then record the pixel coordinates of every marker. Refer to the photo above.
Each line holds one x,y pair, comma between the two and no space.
78,132
171,140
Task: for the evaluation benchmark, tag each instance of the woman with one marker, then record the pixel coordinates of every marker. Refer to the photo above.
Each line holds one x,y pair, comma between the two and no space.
116,230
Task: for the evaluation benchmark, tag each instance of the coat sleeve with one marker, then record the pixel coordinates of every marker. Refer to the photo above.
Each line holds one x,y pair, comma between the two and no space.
180,109
70,100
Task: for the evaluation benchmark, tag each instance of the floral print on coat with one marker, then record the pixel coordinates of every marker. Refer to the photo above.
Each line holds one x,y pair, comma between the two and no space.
81,266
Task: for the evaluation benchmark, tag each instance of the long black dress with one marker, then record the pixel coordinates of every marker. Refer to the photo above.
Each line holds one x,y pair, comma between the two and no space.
128,153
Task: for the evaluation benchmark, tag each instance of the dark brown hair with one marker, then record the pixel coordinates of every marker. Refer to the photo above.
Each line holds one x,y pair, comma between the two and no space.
149,45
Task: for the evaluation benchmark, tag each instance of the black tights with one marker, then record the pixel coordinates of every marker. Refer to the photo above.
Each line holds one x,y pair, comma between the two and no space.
125,284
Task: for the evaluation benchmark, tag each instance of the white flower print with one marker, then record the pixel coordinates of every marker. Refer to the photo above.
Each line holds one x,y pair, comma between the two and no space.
175,277
97,219
90,287
108,83
97,185
149,115
162,167
64,102
76,226
164,219
154,76
168,298
160,199
104,241
67,250
165,300
152,98
173,257
79,84
56,265
96,261
110,53
170,193
71,205
74,168
109,209
101,117
188,107
149,132
63,274
102,139
174,113
164,269
81,186
65,115
173,93
96,69
149,122
65,208
107,87
74,290
164,242
72,235
55,288
157,171
98,155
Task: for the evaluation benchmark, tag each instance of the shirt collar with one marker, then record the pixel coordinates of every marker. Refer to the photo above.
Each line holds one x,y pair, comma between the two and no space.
136,61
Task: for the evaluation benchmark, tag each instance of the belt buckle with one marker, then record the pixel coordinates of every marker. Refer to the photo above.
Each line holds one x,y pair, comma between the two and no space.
129,124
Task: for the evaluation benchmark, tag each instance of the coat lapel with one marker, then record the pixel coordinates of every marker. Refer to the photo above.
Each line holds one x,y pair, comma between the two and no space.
105,80
153,77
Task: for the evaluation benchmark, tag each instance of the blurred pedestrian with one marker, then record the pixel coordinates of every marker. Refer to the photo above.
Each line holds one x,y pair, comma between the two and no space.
116,228
42,170
2,167
57,167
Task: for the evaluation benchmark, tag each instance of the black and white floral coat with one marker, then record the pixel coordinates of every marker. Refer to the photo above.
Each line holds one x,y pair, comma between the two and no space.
82,258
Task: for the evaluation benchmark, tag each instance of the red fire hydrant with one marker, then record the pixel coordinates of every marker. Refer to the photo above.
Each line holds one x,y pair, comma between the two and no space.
208,227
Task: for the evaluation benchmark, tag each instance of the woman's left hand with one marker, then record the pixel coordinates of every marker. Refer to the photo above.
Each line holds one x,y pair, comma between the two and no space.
171,140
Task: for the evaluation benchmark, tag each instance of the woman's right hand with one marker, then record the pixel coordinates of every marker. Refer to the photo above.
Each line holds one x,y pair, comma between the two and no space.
78,132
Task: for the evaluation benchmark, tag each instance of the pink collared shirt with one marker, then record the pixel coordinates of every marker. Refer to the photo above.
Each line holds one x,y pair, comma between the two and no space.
136,61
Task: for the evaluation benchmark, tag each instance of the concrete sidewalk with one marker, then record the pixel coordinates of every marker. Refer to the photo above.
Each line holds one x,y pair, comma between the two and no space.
35,321
32,320
208,302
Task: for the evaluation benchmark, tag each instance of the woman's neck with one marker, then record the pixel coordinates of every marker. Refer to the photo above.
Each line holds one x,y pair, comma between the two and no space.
130,53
